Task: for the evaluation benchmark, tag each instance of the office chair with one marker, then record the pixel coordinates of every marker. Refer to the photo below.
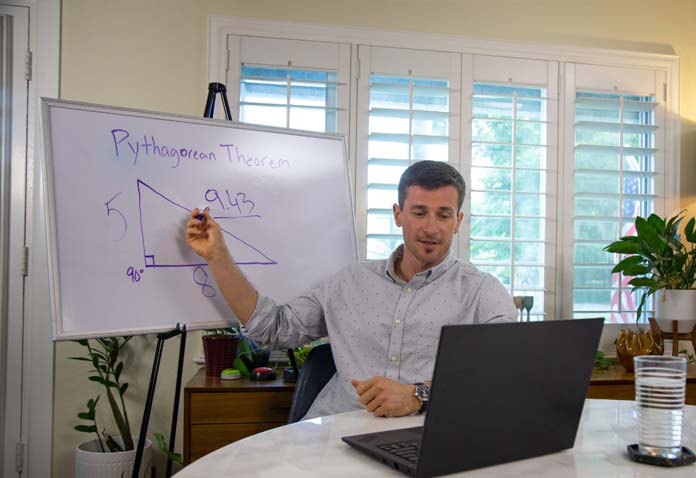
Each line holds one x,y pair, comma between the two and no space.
317,369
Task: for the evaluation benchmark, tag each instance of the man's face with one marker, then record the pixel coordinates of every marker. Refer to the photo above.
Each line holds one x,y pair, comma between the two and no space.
429,220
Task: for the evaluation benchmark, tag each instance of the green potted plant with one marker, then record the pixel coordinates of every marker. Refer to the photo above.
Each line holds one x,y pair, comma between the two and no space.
107,453
662,262
110,455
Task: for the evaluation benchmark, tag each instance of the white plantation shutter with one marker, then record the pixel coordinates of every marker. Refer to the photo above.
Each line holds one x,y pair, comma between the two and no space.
512,175
617,163
544,194
290,84
408,110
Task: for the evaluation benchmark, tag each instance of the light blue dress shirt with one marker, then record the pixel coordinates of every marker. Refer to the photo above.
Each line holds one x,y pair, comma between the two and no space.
380,325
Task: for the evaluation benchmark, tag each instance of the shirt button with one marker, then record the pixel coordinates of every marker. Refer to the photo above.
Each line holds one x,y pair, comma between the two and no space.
393,358
408,289
397,321
427,281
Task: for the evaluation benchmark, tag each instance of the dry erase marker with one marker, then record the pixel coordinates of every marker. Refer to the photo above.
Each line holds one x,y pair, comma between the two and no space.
200,216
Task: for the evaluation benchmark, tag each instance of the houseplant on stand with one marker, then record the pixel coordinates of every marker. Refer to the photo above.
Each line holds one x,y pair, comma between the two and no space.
107,455
663,265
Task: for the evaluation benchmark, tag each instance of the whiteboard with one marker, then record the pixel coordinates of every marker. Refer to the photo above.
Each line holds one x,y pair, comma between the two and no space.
121,183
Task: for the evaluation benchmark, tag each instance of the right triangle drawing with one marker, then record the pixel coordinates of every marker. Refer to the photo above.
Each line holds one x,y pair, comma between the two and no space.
161,232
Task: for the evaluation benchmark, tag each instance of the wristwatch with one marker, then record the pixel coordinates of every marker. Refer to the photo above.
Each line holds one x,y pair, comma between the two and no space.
422,393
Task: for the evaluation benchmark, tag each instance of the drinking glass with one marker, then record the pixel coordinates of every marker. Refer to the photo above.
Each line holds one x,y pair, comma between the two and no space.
660,393
528,304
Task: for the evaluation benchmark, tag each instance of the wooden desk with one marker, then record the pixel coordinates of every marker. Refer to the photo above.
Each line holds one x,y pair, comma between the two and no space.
617,384
218,412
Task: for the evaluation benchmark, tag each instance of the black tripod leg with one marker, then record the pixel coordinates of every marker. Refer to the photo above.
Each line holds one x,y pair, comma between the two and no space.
210,101
177,394
148,407
225,104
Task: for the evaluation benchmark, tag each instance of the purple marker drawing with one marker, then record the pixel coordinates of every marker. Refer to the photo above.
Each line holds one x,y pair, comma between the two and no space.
247,254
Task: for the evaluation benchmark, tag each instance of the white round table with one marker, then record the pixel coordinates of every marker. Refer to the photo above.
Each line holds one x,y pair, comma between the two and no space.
313,448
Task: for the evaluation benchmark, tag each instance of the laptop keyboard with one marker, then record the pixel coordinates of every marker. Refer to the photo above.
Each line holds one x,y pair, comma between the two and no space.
407,450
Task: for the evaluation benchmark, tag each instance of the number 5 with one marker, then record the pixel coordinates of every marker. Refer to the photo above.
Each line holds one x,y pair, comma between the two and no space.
110,210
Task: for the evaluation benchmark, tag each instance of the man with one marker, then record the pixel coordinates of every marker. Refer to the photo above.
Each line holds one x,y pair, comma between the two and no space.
383,317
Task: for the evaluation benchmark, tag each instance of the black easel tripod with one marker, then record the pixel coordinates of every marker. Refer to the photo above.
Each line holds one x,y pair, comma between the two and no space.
151,394
213,90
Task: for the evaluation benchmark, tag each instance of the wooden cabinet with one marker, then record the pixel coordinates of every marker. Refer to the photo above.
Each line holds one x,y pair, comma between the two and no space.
218,412
617,384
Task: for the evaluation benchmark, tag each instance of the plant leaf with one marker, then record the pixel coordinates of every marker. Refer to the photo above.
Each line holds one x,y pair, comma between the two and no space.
86,428
123,388
623,247
112,444
642,282
164,448
161,443
119,369
690,230
96,378
636,270
647,231
627,262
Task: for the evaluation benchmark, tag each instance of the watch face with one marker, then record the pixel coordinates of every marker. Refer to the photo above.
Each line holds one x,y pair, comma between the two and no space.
423,392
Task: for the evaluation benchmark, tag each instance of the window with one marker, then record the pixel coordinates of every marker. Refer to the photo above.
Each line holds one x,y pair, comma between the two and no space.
288,98
616,163
508,186
289,84
408,122
408,110
545,193
512,175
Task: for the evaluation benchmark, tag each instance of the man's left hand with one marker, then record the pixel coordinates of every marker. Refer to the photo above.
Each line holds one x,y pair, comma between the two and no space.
386,398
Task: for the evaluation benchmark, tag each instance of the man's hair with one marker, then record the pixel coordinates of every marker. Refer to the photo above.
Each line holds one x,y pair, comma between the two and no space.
431,175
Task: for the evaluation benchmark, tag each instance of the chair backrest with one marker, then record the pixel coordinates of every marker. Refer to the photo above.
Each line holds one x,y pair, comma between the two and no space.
317,370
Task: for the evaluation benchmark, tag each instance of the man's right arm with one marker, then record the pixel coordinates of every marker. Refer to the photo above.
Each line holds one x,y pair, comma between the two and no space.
205,239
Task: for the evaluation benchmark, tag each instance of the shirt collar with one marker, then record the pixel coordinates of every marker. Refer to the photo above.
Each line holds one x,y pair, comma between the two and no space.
427,275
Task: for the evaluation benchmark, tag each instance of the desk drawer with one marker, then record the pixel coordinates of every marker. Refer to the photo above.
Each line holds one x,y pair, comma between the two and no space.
624,391
247,407
207,438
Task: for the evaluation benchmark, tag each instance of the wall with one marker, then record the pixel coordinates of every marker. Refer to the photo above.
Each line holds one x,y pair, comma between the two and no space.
151,54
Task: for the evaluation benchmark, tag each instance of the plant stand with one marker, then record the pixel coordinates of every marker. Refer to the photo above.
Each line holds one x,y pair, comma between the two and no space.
674,335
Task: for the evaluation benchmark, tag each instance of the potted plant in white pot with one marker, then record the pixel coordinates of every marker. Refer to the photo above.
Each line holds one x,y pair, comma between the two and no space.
662,264
107,455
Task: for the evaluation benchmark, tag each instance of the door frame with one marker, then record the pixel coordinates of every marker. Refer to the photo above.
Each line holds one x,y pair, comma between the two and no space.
37,350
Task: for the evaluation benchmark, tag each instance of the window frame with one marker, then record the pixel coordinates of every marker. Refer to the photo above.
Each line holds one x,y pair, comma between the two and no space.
220,27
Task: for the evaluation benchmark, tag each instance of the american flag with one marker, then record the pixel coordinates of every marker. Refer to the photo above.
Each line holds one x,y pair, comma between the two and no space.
622,300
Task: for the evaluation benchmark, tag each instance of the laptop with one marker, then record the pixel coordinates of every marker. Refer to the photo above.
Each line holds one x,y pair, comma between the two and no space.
500,392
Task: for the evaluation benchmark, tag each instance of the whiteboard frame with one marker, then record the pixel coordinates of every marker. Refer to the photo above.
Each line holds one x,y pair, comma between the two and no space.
49,189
